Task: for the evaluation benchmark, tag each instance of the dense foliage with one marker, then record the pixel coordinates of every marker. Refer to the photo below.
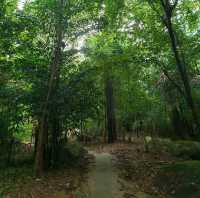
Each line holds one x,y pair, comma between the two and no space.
104,68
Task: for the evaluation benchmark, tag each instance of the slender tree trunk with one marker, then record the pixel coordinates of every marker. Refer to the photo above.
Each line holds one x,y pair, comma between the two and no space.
10,151
36,135
55,142
123,136
110,112
39,158
179,58
176,121
129,137
105,126
54,75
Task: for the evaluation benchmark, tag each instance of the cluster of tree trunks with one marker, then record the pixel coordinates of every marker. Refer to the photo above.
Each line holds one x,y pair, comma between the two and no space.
168,8
51,92
179,56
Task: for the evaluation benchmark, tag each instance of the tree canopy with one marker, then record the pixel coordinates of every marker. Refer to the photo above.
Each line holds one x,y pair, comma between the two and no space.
105,67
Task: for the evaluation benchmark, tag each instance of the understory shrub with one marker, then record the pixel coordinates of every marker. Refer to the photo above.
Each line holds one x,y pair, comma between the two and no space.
185,177
72,153
183,149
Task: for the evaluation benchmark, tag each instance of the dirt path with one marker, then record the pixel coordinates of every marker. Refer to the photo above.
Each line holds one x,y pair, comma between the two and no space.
101,182
104,180
115,171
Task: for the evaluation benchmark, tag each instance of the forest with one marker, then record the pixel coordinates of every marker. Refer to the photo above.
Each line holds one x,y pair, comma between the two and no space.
99,98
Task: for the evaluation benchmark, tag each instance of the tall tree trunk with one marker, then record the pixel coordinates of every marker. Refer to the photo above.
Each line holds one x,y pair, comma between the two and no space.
177,122
55,140
110,111
36,135
40,147
54,75
10,150
179,58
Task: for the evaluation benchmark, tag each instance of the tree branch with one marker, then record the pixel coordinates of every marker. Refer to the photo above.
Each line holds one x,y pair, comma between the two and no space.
173,82
164,69
174,5
160,15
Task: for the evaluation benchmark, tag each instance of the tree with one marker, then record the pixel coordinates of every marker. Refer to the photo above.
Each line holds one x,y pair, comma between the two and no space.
168,8
66,15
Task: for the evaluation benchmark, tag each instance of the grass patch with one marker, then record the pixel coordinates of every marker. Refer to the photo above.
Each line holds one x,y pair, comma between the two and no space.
21,171
183,177
190,169
12,176
187,150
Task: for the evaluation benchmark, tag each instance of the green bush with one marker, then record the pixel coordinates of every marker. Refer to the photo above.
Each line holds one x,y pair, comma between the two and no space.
72,153
10,177
187,174
182,149
187,150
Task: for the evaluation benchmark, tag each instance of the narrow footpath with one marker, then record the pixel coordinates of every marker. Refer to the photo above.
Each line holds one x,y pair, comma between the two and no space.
103,179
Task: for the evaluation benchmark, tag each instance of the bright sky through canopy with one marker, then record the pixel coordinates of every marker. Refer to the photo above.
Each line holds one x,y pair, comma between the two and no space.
20,4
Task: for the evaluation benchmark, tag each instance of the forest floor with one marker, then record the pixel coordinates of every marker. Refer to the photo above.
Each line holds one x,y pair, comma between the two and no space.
109,171
135,172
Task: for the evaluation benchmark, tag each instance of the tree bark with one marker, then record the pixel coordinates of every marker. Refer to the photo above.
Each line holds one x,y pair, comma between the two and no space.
54,75
55,141
110,111
179,58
